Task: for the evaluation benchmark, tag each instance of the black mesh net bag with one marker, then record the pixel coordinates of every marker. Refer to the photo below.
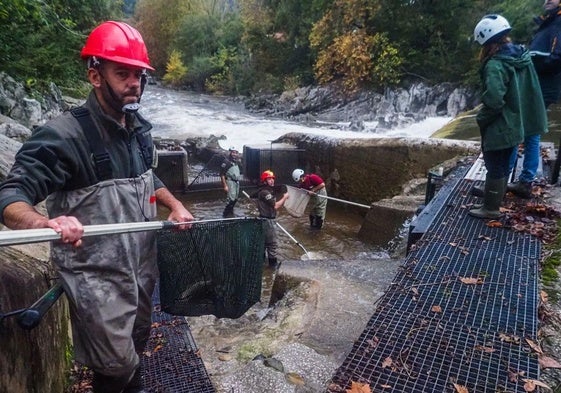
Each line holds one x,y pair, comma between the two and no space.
213,268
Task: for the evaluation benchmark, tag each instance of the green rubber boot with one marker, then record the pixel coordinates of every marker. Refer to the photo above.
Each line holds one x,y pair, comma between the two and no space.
494,192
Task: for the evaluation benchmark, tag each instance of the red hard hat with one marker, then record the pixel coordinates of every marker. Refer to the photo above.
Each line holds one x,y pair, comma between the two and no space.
118,42
266,175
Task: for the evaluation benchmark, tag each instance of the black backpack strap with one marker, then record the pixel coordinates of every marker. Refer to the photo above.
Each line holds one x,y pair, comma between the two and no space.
101,158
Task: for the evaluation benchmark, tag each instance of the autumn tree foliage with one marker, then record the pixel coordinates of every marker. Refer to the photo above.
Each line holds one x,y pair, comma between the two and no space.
350,51
175,70
158,21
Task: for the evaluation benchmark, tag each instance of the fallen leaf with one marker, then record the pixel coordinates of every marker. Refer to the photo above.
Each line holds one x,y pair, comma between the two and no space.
224,357
494,224
530,385
295,379
357,387
460,388
509,339
543,296
387,362
436,308
513,375
485,349
471,280
534,346
547,362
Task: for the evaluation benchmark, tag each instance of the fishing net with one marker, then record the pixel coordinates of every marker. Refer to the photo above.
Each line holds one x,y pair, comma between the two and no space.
297,201
213,268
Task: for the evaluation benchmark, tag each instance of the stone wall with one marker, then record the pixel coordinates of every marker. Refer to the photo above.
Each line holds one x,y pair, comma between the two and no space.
31,360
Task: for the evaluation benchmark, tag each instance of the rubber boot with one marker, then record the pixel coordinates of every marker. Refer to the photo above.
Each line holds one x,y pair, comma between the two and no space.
274,263
520,189
106,384
312,221
478,191
135,384
494,192
318,222
229,209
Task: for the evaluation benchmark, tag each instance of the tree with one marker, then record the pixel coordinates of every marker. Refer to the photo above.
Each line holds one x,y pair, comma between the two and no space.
40,41
351,51
175,70
158,21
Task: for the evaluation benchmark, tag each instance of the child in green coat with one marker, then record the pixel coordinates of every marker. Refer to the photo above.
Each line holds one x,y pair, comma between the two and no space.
511,103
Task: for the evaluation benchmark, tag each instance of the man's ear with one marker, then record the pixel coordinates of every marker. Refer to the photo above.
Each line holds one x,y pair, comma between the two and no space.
94,77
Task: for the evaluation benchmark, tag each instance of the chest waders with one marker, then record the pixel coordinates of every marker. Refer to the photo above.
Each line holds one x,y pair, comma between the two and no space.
109,280
317,211
232,177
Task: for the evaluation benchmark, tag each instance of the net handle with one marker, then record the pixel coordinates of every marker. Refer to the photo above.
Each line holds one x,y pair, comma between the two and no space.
25,236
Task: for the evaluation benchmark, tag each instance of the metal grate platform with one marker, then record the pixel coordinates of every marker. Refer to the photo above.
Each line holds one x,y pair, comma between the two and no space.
171,361
412,353
457,312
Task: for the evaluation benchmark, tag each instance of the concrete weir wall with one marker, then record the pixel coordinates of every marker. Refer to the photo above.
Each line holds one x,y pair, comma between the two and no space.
368,170
371,171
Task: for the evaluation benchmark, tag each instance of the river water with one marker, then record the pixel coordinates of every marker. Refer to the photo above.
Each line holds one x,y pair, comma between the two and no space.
180,115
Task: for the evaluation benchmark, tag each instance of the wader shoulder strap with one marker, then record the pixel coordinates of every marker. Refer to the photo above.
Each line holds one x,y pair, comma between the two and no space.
101,158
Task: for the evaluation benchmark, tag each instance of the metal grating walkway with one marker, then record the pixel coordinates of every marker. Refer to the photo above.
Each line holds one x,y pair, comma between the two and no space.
171,361
458,312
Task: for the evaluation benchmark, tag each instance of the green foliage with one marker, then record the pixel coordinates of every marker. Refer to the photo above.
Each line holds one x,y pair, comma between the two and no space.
209,43
359,60
244,46
351,53
175,70
41,41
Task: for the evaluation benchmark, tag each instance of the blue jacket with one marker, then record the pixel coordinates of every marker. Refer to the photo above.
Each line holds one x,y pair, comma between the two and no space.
545,49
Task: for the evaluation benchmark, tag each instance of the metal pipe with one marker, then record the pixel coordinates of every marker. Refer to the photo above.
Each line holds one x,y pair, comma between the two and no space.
293,239
24,236
336,199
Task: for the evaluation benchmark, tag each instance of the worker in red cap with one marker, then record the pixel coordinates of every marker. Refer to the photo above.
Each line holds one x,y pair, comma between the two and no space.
94,165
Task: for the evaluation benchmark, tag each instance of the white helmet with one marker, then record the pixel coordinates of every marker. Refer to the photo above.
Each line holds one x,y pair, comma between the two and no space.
297,174
490,27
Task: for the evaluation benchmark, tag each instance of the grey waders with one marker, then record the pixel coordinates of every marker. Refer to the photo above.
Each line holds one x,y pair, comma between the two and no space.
494,193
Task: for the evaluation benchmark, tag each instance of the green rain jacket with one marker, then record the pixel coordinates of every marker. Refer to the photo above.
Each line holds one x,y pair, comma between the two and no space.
513,106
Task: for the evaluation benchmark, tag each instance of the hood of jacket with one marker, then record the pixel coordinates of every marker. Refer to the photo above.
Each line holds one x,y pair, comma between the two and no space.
515,55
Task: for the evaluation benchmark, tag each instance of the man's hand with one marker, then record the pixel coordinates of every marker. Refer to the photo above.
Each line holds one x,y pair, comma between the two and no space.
69,228
181,214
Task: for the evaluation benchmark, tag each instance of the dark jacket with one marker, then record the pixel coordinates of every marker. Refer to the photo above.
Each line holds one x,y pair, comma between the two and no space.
57,156
511,98
546,54
266,202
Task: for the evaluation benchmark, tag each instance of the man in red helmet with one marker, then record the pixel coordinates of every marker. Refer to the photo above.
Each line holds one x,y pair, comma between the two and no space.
94,165
268,207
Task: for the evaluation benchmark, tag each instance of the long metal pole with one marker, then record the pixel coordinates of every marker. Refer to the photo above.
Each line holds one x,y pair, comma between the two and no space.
293,239
335,199
284,230
24,236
